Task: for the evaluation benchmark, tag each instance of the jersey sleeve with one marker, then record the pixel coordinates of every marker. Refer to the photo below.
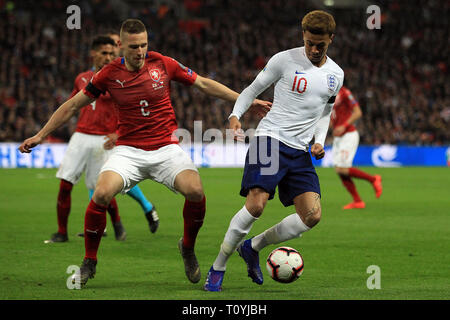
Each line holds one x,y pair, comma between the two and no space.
352,102
179,72
98,84
270,74
320,132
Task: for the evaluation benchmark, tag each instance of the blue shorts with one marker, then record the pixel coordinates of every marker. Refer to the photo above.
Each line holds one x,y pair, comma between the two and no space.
270,163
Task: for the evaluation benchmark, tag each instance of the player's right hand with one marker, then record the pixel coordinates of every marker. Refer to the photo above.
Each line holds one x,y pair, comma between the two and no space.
317,151
235,125
30,143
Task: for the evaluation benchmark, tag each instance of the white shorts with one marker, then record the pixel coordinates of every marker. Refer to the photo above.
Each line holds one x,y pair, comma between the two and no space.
135,165
85,153
344,149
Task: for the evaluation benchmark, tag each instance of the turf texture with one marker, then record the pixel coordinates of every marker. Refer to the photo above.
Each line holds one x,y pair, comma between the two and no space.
405,233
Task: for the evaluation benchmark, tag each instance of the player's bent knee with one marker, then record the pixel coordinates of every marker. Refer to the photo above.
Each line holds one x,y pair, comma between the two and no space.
256,202
314,216
195,194
102,196
341,171
255,206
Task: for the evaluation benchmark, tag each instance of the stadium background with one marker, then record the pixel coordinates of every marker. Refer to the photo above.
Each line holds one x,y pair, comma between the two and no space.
399,74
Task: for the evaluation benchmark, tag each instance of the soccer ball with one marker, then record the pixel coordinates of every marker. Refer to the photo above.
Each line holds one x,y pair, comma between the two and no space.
284,264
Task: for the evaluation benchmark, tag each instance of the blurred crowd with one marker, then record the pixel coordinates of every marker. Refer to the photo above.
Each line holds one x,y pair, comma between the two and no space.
399,74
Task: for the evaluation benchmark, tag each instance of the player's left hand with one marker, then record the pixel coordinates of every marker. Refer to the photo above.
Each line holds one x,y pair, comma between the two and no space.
317,151
30,143
110,141
260,107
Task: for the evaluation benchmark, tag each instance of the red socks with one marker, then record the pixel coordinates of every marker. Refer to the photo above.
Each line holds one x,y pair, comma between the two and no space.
356,173
350,186
113,211
193,214
94,225
63,205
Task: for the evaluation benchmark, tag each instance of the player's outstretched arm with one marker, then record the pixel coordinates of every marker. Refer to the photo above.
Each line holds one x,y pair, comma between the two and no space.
216,89
58,118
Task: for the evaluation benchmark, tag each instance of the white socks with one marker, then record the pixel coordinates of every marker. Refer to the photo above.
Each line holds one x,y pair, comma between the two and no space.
289,228
239,227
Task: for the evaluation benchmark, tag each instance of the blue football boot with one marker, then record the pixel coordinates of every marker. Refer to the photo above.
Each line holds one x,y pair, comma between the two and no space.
214,280
251,258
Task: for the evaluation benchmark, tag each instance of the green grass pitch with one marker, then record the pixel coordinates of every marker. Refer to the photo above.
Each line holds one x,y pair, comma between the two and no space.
406,233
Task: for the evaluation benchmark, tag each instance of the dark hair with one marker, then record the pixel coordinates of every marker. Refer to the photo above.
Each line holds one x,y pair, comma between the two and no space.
110,31
132,26
100,41
319,22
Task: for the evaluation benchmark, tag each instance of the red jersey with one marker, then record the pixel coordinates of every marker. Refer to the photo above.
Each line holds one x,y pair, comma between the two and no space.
343,108
146,116
99,117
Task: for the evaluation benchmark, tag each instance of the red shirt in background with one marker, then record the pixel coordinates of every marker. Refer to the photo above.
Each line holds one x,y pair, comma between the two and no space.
99,117
343,108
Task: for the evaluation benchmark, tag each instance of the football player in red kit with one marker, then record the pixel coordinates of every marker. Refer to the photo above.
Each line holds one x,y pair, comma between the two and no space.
89,147
345,112
146,148
85,151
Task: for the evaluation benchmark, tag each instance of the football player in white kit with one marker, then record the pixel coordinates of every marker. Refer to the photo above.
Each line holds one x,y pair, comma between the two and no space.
306,84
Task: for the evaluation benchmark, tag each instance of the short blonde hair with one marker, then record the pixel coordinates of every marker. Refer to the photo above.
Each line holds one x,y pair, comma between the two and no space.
319,22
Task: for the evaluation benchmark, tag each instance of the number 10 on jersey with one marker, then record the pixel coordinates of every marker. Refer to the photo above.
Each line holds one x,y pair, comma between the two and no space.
299,85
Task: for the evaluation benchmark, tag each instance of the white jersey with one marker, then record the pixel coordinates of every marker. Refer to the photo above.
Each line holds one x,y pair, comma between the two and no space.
303,98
